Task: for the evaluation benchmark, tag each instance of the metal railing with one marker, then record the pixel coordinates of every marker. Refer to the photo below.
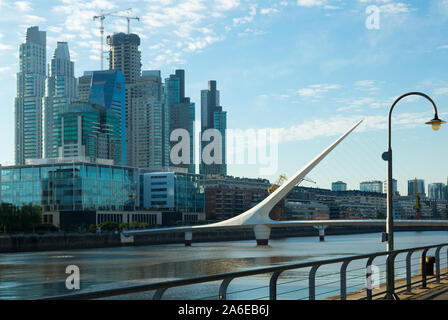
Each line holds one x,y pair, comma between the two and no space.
276,271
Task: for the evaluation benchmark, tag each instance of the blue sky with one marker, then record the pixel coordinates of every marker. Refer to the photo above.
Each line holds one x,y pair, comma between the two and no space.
310,68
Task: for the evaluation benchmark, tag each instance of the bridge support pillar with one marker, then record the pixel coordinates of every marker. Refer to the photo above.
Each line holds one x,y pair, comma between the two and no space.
126,240
262,234
188,238
321,232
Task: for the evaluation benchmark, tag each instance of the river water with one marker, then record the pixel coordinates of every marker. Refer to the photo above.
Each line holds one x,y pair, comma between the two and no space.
42,274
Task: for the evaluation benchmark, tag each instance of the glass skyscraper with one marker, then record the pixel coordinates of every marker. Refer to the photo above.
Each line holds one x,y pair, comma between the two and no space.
91,131
371,186
30,93
182,113
60,92
125,56
107,89
213,117
147,125
437,191
420,186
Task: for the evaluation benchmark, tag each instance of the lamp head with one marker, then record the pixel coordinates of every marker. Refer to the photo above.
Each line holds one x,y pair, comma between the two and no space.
436,123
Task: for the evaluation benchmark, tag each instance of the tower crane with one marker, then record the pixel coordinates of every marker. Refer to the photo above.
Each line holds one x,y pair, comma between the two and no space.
101,17
418,206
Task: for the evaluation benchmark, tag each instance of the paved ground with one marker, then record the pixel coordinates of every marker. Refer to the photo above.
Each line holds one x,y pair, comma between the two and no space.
433,291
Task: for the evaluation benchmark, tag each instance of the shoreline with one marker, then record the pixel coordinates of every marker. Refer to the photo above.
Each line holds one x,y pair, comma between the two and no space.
69,241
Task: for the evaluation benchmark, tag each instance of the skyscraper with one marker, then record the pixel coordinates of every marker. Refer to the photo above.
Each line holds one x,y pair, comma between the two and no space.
371,186
437,191
60,92
338,186
394,186
125,56
213,117
30,93
89,130
420,186
182,113
148,123
107,89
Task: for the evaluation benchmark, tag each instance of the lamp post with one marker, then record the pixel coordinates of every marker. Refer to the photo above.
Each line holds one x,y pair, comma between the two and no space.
387,156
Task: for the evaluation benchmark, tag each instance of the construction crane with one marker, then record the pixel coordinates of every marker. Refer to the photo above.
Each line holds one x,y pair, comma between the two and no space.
101,17
280,180
418,206
129,20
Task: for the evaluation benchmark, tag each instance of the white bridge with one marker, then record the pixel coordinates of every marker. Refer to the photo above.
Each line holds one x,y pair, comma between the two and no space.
258,216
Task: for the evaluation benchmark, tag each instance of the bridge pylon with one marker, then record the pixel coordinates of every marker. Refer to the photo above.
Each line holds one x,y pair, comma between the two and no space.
262,234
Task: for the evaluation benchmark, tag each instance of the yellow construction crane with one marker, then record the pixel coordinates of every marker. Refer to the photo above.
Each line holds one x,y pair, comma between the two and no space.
103,16
418,206
280,180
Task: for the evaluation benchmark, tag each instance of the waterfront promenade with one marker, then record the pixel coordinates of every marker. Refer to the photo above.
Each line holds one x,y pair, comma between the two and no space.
432,291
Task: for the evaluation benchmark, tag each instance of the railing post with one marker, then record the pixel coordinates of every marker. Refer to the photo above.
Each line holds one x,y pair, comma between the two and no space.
223,288
344,280
159,293
409,272
368,278
312,283
273,285
390,277
423,267
438,264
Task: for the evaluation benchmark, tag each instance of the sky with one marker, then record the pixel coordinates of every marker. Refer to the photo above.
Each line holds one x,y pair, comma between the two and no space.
306,69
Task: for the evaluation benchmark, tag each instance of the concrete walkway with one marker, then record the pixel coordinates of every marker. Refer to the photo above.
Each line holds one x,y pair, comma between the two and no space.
433,291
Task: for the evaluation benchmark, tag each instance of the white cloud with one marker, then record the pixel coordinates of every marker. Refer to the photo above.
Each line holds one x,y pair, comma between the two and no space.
23,6
316,90
339,124
441,91
227,4
4,47
29,18
268,10
311,3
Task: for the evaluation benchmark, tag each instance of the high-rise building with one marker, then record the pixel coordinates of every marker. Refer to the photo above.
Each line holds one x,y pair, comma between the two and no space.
394,186
437,191
60,92
213,117
371,186
338,186
182,113
125,56
148,124
420,186
30,93
107,89
89,130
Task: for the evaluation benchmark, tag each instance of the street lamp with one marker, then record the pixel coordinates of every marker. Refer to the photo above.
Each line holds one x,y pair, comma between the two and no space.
387,156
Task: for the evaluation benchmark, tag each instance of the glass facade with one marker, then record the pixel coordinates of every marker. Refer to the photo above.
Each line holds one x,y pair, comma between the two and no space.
89,130
60,92
30,93
70,187
172,191
212,116
107,89
182,113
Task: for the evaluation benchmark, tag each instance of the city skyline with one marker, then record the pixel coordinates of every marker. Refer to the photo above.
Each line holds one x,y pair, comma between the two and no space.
325,91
